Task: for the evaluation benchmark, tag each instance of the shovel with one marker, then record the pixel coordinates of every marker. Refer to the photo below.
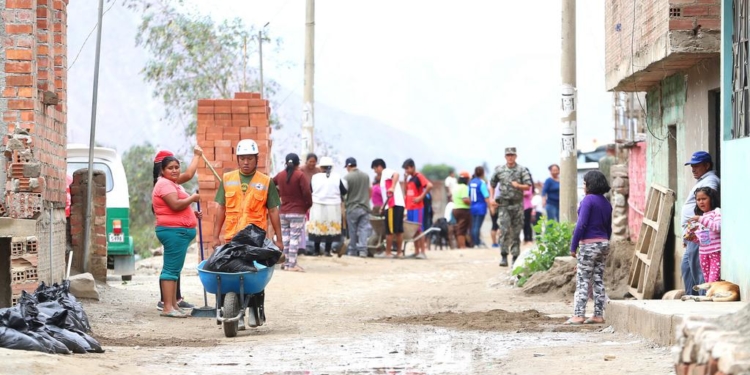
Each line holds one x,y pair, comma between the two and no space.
206,311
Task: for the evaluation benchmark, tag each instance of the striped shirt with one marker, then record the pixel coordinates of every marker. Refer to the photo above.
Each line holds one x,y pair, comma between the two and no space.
711,223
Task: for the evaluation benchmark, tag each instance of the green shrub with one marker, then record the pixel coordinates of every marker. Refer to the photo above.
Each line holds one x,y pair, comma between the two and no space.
552,240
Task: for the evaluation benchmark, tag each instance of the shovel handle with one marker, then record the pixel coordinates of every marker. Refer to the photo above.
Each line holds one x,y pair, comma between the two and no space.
200,230
211,167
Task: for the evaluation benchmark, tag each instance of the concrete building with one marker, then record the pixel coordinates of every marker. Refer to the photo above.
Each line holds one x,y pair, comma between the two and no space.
670,51
735,145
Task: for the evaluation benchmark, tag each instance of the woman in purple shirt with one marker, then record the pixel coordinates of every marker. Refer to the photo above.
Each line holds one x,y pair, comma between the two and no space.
590,245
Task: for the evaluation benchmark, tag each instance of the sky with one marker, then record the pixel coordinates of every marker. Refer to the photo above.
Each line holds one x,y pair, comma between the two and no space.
477,76
470,78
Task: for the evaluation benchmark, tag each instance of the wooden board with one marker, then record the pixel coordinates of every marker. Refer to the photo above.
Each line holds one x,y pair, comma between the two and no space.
649,250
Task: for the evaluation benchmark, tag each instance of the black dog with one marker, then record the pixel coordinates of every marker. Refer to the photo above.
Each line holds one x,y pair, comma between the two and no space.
440,238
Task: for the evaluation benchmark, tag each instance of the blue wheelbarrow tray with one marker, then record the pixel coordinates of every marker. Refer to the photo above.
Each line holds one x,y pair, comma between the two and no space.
252,282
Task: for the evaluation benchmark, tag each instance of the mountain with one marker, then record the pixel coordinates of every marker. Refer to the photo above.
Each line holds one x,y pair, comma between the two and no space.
128,114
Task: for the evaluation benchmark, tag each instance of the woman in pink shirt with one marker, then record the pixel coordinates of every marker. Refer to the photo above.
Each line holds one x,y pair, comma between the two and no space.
175,229
705,228
377,197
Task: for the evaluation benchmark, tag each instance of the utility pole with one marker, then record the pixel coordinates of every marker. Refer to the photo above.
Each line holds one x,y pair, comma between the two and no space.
308,105
92,144
260,53
569,148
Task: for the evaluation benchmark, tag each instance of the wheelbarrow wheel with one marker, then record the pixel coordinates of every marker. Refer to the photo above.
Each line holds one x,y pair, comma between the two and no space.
231,309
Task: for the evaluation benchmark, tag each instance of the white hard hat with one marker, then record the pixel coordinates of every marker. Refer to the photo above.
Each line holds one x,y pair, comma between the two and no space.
326,161
247,147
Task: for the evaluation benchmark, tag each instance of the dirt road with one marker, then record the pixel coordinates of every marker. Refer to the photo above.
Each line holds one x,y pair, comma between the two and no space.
455,312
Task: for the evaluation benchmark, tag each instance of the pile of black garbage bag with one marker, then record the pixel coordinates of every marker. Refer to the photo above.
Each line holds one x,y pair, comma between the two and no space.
50,320
247,246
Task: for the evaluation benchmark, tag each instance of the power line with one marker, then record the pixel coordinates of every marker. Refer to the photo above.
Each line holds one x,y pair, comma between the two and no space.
87,37
635,80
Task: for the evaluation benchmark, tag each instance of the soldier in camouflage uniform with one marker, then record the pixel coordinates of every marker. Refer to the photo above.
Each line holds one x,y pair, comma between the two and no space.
513,180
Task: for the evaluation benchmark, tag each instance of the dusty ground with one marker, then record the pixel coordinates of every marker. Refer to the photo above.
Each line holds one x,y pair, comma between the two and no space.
455,312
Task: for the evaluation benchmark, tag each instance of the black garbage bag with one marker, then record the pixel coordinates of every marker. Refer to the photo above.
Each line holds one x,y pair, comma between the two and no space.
248,246
46,342
268,255
12,339
75,311
95,346
27,306
251,235
62,318
74,342
232,257
37,330
12,318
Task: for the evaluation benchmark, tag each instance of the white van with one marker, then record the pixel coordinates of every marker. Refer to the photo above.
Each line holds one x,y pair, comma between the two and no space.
120,254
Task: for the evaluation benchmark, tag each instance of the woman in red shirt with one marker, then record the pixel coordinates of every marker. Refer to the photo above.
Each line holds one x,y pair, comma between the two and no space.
296,200
175,229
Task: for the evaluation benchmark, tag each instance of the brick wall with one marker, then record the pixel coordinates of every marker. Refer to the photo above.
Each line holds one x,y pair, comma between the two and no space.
33,82
651,23
637,196
222,123
642,32
98,246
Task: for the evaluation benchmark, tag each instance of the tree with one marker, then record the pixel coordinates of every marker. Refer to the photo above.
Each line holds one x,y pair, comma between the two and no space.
139,165
192,57
437,172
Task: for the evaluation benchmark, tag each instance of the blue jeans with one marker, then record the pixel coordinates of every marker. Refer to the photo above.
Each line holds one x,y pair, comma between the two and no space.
691,268
553,211
476,227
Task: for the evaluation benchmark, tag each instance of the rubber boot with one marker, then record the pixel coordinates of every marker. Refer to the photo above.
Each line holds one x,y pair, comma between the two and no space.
504,261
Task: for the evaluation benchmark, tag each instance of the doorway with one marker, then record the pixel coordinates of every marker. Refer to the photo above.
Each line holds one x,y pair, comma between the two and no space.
669,265
714,128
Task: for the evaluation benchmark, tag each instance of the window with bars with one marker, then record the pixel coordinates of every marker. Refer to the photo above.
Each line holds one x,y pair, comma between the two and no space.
740,71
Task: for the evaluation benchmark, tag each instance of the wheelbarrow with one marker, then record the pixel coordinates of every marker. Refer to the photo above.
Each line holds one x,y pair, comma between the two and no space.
376,242
234,293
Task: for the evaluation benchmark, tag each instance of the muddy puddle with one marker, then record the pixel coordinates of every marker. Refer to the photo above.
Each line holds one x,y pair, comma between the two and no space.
403,350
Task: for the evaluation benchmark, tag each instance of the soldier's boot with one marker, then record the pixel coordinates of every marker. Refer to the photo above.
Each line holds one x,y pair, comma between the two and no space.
504,261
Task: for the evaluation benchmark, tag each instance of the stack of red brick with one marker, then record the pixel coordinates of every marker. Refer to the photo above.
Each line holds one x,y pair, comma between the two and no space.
23,265
222,123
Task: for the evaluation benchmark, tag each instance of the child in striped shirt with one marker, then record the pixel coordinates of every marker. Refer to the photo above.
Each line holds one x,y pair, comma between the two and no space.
708,232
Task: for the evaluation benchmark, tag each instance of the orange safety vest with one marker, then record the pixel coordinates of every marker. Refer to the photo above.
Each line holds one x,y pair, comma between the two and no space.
243,209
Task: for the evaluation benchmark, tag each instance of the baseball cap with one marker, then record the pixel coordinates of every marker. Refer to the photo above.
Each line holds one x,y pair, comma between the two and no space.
464,174
699,157
161,155
510,151
351,162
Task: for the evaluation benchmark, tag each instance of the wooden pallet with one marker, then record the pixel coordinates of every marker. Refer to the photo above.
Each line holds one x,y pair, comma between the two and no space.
649,250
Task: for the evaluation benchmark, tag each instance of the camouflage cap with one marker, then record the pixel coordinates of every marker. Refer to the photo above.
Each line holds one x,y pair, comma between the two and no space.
510,151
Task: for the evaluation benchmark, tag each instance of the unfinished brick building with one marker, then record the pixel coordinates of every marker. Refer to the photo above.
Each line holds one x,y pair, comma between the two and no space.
33,81
221,124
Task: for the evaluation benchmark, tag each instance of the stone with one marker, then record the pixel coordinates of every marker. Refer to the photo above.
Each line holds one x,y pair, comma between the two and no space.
84,286
32,169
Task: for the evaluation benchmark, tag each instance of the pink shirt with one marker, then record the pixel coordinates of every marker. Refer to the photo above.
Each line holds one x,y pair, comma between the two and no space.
710,226
527,199
165,216
377,197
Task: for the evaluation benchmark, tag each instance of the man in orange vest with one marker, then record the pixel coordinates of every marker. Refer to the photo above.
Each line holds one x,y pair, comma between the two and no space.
246,197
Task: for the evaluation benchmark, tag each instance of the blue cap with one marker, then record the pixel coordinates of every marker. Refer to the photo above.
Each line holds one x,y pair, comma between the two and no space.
700,157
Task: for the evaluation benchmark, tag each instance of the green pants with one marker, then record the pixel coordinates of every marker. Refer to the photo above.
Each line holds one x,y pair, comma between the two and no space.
510,220
176,242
